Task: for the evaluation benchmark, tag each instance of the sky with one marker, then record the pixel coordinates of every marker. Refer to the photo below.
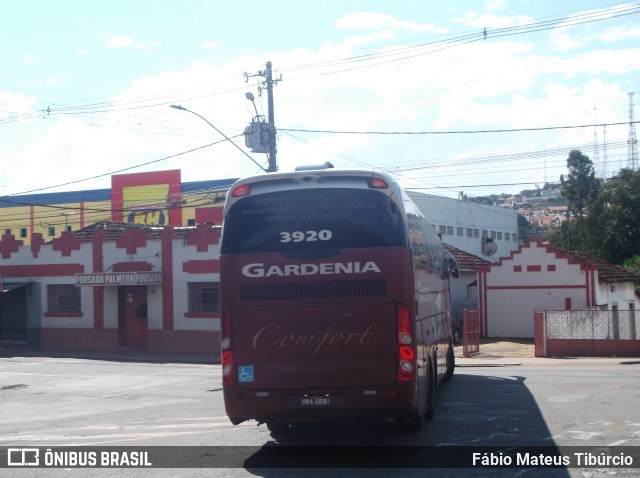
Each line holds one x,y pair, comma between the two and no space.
478,97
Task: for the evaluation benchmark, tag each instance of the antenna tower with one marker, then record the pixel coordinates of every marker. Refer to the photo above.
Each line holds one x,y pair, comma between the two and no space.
605,159
632,143
596,153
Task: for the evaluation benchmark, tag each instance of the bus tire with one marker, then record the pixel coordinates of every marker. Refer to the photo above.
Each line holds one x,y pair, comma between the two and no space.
431,396
451,364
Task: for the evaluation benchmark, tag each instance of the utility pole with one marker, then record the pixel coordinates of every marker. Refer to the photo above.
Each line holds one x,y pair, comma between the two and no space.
270,127
632,142
273,163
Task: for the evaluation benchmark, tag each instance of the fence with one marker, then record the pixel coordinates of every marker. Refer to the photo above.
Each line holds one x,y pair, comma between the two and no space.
588,332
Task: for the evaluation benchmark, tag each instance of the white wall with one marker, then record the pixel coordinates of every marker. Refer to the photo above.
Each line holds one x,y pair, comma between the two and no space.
454,213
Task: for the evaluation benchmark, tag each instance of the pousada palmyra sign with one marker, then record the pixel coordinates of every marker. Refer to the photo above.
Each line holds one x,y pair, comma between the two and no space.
117,278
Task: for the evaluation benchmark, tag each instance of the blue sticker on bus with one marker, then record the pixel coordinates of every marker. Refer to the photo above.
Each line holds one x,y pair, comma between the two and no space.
245,373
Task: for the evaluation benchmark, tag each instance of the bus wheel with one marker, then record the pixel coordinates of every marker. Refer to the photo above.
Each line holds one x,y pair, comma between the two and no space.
431,396
451,364
275,426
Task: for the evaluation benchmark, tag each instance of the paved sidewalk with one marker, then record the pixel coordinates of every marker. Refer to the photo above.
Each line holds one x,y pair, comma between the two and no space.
501,351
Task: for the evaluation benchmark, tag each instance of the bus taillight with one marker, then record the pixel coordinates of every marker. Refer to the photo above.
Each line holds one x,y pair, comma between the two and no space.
241,191
406,353
227,353
377,183
227,367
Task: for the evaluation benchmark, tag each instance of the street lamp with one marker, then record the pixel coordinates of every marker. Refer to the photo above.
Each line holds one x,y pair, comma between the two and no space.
182,108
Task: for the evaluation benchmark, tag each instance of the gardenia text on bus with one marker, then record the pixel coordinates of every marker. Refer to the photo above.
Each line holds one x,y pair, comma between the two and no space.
259,269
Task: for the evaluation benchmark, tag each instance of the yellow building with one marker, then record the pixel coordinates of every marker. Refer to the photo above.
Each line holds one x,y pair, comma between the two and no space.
153,198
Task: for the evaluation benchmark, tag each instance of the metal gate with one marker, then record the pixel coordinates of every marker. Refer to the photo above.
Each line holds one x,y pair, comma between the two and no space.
471,332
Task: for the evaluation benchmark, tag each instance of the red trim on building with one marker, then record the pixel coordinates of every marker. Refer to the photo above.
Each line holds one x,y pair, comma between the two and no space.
551,267
131,240
131,267
167,278
120,181
42,270
32,221
203,236
517,268
67,243
209,215
534,268
546,286
98,292
36,243
9,245
201,266
482,302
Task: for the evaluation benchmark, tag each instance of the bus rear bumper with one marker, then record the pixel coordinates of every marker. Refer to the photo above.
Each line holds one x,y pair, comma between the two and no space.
384,403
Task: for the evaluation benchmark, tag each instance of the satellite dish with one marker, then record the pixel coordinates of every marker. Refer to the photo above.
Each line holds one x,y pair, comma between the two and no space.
489,247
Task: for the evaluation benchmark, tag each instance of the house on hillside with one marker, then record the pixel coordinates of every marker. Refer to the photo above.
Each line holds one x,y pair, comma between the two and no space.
539,277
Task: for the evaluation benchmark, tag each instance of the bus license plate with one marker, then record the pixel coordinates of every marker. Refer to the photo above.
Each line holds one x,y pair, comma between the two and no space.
315,401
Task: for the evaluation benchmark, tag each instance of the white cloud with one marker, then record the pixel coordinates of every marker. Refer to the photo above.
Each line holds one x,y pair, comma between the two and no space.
209,45
126,41
491,20
148,46
120,41
16,103
620,33
505,83
495,5
372,21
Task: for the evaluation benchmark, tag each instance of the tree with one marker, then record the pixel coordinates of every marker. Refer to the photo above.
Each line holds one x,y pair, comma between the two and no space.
613,218
580,187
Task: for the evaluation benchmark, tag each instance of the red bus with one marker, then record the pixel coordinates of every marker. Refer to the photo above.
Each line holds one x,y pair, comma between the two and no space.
335,301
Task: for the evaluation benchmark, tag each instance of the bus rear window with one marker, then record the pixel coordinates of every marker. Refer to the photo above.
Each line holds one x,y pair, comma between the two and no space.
312,219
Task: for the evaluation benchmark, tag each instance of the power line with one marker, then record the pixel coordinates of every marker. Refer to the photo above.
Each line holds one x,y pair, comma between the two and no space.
422,133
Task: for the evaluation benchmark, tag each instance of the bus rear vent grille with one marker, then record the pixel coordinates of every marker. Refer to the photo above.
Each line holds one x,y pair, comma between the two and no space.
342,289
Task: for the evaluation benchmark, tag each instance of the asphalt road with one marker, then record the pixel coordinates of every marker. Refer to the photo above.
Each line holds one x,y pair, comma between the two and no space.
78,402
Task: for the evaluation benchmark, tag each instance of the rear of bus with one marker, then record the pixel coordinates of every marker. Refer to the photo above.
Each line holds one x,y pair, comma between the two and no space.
317,299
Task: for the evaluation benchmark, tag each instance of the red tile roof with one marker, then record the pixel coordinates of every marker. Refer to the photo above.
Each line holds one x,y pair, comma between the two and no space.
465,260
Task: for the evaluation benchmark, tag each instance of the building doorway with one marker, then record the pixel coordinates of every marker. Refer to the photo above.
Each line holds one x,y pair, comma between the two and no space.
132,316
13,312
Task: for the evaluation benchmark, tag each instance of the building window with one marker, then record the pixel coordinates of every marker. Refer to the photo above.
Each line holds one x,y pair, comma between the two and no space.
449,230
460,232
485,233
493,234
514,237
469,232
499,236
442,230
204,296
63,298
507,236
52,231
476,233
191,222
7,232
23,232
